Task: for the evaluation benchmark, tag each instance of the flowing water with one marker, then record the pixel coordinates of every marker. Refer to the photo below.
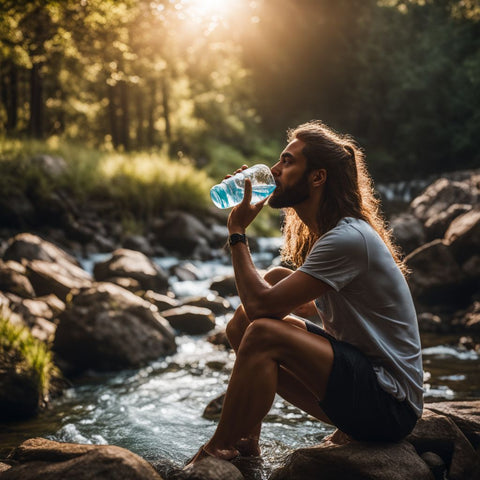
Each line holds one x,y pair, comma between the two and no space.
156,411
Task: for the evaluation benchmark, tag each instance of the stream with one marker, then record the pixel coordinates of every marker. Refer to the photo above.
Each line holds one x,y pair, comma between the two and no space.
156,411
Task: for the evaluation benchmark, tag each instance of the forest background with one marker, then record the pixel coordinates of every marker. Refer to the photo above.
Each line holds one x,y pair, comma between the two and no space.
206,86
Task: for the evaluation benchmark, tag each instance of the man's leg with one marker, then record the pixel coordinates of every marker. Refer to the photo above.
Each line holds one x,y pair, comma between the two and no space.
266,345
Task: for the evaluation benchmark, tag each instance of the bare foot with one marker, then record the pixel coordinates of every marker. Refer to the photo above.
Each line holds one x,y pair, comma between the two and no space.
248,447
221,454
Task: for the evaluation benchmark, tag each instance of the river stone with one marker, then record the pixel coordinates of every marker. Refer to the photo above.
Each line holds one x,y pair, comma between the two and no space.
210,469
57,278
106,327
190,320
225,286
13,279
183,233
138,243
186,272
436,277
132,264
40,458
429,322
439,434
31,247
463,235
408,231
438,196
218,305
436,226
162,302
354,461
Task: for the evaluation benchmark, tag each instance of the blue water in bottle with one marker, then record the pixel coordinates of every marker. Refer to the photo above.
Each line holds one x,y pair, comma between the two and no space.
230,191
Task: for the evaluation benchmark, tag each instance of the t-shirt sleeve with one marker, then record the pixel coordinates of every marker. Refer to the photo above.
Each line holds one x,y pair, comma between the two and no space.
337,257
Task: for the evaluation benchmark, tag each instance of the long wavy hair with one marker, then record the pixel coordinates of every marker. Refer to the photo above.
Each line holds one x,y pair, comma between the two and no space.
348,192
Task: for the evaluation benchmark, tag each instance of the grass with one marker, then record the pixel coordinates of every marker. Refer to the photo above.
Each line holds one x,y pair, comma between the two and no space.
33,357
140,184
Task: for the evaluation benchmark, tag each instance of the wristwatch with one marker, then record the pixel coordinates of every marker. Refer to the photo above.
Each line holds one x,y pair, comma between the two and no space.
235,238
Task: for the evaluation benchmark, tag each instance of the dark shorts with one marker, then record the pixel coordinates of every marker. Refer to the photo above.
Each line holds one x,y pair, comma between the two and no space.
354,400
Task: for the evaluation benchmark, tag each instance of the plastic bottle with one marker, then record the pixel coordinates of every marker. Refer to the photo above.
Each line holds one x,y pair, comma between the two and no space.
230,191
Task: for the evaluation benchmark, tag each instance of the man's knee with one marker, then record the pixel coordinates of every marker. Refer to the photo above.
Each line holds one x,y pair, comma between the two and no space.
259,335
236,327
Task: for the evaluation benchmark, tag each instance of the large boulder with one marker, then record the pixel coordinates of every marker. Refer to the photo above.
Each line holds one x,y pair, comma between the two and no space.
440,195
224,285
131,264
26,246
56,278
463,235
106,327
210,469
183,233
13,278
437,225
436,276
408,231
442,442
40,458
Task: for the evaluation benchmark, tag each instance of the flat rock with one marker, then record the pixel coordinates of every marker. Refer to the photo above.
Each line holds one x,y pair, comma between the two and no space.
190,320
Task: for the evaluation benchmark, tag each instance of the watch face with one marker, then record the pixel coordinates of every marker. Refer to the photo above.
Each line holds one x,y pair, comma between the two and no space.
236,238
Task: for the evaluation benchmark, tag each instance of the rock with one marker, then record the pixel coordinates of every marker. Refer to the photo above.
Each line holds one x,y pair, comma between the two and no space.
40,458
436,226
190,320
214,408
31,247
20,396
49,277
220,338
436,277
354,461
465,415
13,279
117,329
463,235
408,231
224,285
428,322
438,197
436,444
439,434
162,302
138,243
183,233
128,283
210,469
131,264
185,272
435,464
469,319
217,304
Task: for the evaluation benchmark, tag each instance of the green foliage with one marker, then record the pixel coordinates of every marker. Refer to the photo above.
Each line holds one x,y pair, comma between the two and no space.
32,357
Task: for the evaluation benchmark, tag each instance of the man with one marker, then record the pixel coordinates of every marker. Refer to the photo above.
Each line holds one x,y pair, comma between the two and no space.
363,371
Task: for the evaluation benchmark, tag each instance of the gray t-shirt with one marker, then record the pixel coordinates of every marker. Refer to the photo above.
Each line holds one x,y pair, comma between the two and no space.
370,305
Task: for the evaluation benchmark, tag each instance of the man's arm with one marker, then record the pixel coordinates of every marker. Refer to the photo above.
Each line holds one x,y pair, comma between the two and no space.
260,299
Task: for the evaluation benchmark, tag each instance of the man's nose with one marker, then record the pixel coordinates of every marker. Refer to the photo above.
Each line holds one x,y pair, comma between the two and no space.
275,170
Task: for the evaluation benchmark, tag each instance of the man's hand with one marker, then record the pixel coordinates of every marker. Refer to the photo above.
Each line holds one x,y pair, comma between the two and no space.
243,214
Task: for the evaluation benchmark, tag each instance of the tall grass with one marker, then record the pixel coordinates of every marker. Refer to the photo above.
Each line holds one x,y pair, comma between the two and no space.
32,357
141,184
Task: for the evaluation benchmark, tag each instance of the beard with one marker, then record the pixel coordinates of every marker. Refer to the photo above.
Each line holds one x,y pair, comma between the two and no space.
291,196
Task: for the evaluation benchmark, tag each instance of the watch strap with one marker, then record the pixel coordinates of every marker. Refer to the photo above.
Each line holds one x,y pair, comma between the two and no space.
235,238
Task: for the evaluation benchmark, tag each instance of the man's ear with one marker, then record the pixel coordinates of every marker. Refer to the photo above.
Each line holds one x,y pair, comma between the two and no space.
319,177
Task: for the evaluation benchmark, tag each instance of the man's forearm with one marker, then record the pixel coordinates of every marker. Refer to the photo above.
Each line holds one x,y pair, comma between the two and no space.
251,286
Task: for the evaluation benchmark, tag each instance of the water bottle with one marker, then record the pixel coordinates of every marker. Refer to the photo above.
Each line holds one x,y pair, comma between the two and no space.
230,191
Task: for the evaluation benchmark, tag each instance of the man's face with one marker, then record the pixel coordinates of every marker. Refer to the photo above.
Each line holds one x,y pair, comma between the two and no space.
291,177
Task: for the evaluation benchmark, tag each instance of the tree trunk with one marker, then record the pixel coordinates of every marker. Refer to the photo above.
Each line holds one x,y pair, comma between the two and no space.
112,115
140,118
151,113
36,102
125,118
166,110
12,110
